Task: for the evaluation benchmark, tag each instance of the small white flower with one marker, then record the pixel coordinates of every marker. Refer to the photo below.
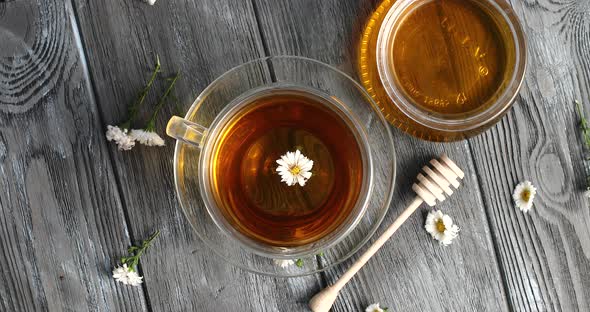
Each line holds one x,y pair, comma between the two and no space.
150,2
523,196
284,263
294,168
127,276
441,227
374,308
148,138
134,279
121,137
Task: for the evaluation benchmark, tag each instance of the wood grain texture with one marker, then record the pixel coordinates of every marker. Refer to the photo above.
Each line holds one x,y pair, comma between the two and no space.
61,218
64,205
201,39
545,254
411,272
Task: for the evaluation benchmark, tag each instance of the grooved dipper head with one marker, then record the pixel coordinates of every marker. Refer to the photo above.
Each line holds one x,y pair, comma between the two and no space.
439,176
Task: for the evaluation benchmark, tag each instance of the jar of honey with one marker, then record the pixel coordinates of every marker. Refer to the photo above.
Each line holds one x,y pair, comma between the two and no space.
443,70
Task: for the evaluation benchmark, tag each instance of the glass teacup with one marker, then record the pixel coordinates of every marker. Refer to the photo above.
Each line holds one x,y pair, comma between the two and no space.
225,163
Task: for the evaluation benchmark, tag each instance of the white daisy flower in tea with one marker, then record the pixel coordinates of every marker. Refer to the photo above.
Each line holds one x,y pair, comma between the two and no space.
148,138
375,307
284,263
441,227
294,168
127,276
523,196
121,137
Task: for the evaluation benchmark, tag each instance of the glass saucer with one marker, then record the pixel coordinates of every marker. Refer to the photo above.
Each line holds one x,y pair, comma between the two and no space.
306,73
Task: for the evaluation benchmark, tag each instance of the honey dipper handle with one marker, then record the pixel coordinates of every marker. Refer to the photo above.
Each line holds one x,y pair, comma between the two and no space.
378,243
322,302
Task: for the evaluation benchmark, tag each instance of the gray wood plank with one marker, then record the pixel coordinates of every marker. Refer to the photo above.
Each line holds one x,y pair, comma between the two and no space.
201,39
411,273
61,219
545,255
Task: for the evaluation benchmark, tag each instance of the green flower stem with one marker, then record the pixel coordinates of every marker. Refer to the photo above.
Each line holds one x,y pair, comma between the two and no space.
586,134
151,124
133,110
136,252
584,125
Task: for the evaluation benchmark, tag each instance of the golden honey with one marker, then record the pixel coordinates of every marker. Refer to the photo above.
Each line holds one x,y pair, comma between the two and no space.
442,70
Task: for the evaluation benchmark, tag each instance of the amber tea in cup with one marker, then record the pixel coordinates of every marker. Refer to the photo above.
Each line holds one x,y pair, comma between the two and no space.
227,178
244,179
240,183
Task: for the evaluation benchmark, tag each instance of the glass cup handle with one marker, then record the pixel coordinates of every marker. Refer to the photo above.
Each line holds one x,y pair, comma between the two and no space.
185,131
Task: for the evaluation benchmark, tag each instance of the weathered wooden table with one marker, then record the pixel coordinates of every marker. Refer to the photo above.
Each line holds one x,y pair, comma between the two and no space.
70,203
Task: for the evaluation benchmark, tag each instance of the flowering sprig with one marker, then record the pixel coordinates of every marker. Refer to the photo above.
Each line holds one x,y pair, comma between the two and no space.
120,134
123,135
148,135
297,262
136,251
127,276
287,263
585,129
127,272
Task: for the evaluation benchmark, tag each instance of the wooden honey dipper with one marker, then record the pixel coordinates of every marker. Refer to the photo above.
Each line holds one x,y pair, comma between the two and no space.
429,188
